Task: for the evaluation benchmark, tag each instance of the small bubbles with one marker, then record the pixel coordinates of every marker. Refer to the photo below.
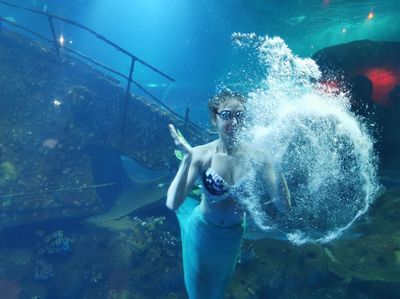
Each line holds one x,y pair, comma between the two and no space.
306,130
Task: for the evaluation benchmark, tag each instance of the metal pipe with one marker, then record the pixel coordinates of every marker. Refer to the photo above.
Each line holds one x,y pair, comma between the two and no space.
57,46
14,195
99,36
138,85
186,117
126,100
26,29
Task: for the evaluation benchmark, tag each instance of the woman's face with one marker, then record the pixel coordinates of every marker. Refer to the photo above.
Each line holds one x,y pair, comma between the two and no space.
229,117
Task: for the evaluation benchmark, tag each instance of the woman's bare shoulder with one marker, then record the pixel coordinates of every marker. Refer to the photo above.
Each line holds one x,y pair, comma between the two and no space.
203,153
203,148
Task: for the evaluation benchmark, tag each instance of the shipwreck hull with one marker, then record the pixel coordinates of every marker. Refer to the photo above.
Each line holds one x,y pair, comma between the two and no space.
53,112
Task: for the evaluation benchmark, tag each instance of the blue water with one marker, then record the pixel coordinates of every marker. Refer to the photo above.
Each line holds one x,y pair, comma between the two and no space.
139,255
191,40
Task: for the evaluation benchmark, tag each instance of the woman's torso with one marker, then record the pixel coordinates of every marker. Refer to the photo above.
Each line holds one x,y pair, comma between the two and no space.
222,176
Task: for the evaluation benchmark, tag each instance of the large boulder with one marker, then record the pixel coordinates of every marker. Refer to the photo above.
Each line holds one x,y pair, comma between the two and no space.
370,70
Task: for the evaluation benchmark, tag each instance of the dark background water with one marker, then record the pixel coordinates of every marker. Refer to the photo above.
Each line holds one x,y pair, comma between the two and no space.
191,40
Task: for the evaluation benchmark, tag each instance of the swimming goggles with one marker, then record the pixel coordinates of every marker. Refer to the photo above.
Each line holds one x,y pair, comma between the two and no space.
228,115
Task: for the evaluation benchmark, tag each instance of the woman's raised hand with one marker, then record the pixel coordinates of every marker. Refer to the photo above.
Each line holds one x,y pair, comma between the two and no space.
180,142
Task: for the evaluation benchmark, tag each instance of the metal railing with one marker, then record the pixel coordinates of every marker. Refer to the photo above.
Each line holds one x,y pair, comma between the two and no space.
134,59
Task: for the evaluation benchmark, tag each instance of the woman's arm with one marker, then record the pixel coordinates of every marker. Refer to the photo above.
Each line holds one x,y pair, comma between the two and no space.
182,183
274,178
283,190
187,172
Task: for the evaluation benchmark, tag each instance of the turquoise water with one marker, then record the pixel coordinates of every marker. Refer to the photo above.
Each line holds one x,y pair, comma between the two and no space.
79,222
191,40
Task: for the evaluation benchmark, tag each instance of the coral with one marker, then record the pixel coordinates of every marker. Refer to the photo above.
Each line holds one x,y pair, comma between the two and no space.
152,256
146,236
8,175
55,243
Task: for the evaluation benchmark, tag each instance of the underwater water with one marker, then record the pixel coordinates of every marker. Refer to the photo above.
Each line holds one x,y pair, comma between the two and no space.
84,167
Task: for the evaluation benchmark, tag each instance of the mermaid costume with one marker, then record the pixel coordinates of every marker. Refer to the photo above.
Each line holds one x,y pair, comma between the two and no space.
210,252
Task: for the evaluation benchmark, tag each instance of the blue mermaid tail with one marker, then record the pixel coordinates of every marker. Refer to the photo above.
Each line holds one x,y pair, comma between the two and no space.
209,252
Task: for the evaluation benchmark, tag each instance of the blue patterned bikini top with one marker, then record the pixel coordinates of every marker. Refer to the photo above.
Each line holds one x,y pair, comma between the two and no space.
217,189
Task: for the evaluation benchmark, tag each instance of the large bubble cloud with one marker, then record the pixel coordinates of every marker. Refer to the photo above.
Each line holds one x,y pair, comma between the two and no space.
307,130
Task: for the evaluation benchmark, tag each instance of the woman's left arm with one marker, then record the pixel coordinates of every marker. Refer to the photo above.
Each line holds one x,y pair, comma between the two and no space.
274,178
284,191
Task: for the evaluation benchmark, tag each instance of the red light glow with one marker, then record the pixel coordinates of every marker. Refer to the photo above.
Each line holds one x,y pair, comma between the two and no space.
383,81
330,87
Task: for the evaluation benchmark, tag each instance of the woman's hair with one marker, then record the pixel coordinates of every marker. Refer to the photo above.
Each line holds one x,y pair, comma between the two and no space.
222,97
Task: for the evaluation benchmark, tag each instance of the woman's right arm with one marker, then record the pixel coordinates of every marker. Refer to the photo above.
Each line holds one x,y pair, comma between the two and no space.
182,183
187,172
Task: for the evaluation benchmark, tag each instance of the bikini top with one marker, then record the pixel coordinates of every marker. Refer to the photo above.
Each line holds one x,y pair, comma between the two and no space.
217,189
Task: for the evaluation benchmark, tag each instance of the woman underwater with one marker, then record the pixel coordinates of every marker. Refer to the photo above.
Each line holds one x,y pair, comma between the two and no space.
212,231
